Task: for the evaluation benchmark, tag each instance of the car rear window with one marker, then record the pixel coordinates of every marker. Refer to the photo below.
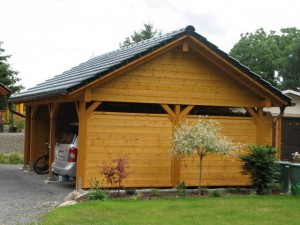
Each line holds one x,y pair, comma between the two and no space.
67,138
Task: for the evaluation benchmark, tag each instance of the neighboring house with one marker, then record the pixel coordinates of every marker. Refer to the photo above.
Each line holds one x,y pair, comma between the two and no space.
4,111
289,126
128,101
4,91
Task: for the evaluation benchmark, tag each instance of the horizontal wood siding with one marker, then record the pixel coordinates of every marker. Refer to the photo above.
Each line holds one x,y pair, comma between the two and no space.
144,139
219,170
268,130
176,77
41,131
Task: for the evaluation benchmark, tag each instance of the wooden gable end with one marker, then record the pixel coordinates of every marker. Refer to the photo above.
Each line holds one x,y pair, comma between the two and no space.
177,77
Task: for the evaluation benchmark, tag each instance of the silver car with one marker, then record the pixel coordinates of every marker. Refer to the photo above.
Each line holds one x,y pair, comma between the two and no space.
65,155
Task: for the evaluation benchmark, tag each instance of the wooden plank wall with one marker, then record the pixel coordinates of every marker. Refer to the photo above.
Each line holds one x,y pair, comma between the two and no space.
177,77
41,130
144,139
219,170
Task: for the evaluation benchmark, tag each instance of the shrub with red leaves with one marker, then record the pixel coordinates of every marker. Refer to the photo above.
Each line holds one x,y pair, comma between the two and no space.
116,172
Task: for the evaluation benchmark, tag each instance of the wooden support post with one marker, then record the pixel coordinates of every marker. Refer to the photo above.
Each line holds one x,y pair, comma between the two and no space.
258,118
53,110
260,127
27,138
32,143
176,116
81,156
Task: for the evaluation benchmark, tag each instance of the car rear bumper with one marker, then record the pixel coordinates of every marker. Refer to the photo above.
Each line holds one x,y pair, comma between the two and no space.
68,170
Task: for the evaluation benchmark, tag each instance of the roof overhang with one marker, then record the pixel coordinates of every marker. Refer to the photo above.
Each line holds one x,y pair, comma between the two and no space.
4,90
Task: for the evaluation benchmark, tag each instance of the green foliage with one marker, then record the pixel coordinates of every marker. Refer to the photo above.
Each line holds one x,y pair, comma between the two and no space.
266,53
216,193
201,138
96,192
146,33
259,163
11,158
292,70
181,189
8,76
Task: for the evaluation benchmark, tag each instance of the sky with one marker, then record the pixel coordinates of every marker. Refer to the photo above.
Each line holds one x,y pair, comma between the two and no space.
48,37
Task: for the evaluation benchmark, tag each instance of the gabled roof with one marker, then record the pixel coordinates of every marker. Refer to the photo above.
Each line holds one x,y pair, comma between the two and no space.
97,67
4,90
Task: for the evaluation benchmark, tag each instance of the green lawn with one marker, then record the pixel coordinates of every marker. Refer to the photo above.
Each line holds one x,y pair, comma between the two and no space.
241,210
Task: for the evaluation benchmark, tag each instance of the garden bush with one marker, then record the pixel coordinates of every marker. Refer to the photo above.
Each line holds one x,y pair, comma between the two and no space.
259,163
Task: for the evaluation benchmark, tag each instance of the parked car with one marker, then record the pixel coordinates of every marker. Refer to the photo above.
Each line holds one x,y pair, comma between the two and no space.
65,153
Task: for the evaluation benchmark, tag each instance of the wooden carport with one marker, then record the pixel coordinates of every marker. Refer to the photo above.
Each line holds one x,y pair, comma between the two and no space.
127,102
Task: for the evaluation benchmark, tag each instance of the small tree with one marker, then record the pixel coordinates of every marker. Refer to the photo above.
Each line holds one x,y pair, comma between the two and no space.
200,138
116,172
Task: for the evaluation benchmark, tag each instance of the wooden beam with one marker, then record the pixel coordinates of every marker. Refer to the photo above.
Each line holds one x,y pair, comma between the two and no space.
87,95
170,112
177,113
77,108
253,113
186,111
185,46
91,108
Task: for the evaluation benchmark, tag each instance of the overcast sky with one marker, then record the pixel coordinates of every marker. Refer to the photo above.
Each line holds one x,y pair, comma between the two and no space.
47,37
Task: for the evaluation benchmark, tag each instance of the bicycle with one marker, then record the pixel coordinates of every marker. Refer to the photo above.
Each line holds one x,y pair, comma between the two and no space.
41,164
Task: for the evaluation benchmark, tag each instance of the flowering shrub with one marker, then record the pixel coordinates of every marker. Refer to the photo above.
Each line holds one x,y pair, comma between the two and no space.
201,138
296,157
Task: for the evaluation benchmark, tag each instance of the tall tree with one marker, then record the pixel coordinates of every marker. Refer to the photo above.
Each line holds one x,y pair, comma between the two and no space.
144,34
292,70
8,76
268,55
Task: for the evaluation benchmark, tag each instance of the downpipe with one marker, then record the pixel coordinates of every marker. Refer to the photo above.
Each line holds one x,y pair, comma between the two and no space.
14,112
274,125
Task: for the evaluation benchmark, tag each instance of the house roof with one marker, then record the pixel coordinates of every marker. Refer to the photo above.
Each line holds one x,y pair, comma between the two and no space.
99,66
4,90
292,92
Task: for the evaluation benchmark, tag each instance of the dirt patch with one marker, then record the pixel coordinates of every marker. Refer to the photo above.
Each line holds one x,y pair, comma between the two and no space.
11,142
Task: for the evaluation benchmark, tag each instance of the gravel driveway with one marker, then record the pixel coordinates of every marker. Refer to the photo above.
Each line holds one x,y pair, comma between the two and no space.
24,195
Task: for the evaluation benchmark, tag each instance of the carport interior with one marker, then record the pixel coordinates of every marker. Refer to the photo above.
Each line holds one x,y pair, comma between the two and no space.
46,122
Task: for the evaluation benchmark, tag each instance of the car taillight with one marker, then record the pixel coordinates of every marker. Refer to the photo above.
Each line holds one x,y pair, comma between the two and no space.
72,154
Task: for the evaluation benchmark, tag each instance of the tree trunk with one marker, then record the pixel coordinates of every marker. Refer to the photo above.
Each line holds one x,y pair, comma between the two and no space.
200,175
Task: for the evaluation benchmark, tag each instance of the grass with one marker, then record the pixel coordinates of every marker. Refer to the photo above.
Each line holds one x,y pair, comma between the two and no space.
243,210
11,158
